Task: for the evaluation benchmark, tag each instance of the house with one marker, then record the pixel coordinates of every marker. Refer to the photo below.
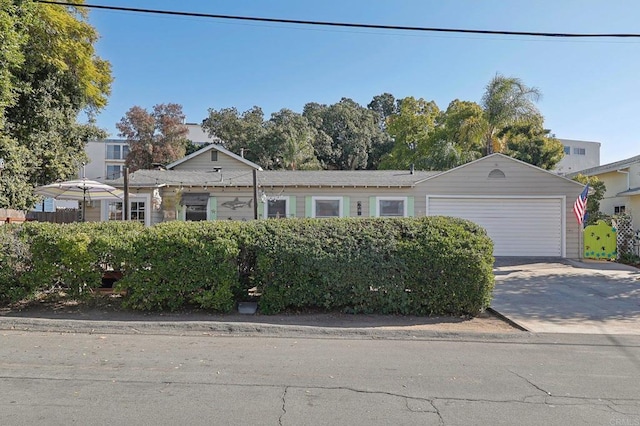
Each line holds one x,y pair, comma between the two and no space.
622,180
526,210
578,155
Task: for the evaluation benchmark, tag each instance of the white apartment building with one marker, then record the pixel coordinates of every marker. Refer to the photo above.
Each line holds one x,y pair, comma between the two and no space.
578,155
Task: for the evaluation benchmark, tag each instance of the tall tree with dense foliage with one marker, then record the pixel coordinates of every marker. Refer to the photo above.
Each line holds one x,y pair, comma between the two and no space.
50,74
347,132
506,101
238,132
533,144
457,138
411,128
294,136
156,137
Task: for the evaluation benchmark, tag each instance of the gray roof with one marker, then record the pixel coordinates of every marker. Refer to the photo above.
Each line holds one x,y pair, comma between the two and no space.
316,178
607,167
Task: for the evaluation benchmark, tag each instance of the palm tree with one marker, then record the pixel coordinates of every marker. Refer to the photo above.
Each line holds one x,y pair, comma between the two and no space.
506,101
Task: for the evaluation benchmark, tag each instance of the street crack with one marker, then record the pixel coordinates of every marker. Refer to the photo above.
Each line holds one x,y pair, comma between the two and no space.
284,402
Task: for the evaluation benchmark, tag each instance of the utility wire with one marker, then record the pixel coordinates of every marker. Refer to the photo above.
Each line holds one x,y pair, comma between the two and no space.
344,24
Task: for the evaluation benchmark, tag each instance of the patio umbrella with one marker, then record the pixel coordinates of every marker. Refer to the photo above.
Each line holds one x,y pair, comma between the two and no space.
81,190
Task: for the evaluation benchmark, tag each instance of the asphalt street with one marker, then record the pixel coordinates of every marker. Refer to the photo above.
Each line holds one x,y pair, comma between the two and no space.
81,378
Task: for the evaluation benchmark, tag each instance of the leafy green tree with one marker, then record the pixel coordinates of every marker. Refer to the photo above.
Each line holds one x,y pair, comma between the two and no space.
294,136
238,132
596,194
154,137
531,143
457,138
411,127
506,101
50,74
347,132
384,106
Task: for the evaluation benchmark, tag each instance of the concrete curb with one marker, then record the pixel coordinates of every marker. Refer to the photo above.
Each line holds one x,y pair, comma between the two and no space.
245,329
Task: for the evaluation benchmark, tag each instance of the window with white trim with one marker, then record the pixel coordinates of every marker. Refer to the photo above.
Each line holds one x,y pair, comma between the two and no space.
619,209
114,210
114,171
324,207
391,206
117,151
276,208
137,211
579,151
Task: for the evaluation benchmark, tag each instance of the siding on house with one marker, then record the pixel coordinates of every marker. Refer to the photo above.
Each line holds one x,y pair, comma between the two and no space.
473,179
203,162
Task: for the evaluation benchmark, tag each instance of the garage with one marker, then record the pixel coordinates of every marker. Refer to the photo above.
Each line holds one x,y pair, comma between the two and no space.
518,226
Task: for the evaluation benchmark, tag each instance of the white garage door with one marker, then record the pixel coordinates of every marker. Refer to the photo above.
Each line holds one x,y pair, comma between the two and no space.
517,226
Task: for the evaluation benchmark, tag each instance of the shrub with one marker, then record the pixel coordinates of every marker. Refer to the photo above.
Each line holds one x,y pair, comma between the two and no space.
424,266
175,264
15,260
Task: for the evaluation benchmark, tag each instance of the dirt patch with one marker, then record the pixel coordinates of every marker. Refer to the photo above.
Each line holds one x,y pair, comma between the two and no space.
109,308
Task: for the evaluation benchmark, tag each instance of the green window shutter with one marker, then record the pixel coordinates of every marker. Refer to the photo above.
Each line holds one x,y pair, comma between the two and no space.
372,206
291,206
261,208
212,209
346,207
181,212
410,208
308,200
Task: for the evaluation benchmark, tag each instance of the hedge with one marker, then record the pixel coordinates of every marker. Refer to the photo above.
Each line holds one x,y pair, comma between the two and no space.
424,266
420,266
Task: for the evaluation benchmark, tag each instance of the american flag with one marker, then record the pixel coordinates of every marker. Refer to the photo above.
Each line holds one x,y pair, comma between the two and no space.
580,206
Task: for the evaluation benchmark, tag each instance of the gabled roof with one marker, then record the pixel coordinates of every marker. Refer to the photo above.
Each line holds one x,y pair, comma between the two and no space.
503,156
270,178
219,148
611,167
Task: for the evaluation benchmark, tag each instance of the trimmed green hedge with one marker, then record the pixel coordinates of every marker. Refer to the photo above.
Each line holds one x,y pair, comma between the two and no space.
420,266
179,263
424,266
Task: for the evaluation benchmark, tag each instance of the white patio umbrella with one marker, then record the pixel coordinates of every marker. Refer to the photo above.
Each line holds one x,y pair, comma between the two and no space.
81,190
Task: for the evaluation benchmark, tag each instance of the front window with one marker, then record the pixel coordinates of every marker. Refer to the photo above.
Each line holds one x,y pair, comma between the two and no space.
392,207
327,207
276,209
195,206
114,171
117,152
137,211
619,210
567,150
115,210
579,151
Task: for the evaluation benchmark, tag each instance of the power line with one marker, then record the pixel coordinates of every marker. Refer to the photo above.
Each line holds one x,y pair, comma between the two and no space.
344,24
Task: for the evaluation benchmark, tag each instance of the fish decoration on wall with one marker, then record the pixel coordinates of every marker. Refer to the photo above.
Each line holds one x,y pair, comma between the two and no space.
236,204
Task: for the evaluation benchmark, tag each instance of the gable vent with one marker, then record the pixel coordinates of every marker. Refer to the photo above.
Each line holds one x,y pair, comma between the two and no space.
496,174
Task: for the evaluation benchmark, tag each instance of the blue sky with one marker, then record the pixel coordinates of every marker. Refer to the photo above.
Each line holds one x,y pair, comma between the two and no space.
590,87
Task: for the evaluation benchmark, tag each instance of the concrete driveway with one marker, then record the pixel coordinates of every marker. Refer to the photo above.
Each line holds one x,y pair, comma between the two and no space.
566,296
